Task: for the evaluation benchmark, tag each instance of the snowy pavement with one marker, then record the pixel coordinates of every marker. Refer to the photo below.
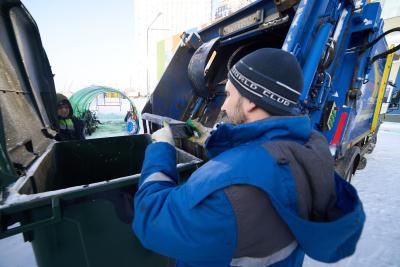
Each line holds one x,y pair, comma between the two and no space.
379,188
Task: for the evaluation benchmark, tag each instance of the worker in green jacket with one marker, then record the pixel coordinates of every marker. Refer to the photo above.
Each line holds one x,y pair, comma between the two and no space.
70,127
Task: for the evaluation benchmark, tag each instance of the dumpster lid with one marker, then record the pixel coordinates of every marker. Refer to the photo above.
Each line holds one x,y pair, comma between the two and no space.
27,93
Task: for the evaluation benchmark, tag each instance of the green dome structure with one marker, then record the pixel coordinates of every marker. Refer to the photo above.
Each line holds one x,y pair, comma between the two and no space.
82,99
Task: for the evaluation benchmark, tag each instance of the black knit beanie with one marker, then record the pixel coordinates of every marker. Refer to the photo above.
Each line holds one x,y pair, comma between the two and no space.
271,78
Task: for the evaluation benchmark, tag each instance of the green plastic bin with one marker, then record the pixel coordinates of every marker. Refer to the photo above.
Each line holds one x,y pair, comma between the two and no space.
72,200
75,204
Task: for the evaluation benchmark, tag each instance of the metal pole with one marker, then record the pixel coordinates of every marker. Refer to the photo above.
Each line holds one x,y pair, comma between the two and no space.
147,51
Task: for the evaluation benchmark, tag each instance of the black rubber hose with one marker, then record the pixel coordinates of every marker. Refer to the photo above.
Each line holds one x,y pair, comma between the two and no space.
370,44
384,54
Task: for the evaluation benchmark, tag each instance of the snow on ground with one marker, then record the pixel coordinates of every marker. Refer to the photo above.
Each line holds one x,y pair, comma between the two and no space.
379,188
109,129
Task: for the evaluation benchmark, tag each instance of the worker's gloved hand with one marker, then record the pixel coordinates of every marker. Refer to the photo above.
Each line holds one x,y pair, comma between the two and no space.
201,133
163,135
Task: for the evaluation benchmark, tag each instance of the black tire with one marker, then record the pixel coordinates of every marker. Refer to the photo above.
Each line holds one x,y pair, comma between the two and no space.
349,175
348,165
362,164
371,145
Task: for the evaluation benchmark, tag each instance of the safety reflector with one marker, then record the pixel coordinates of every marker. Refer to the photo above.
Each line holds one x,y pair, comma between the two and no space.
339,129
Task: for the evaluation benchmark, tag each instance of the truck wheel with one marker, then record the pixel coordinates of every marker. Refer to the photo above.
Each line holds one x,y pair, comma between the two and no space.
362,163
347,166
349,174
371,145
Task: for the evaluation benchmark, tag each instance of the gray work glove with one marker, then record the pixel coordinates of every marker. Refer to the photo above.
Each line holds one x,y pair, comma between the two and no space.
163,135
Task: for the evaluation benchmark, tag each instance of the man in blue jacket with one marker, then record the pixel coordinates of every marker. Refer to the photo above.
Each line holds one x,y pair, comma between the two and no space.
267,196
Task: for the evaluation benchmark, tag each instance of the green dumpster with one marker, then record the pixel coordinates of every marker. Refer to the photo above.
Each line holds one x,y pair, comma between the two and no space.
75,204
72,200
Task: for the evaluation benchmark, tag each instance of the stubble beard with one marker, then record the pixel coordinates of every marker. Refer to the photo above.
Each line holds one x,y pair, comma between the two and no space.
238,116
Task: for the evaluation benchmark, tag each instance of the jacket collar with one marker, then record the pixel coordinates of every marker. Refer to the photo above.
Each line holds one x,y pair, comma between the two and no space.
228,136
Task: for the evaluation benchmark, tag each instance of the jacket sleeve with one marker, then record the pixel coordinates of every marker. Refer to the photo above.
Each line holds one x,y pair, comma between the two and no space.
164,221
79,128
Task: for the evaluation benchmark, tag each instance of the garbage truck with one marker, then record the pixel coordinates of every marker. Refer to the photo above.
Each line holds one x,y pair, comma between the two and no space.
72,200
340,46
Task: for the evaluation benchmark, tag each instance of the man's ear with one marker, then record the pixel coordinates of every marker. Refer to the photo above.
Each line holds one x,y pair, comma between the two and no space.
249,106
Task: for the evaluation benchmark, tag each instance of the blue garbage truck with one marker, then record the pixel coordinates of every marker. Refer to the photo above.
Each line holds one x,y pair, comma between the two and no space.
339,44
72,200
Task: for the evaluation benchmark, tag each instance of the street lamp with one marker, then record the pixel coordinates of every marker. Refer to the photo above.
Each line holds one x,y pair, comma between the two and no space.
147,50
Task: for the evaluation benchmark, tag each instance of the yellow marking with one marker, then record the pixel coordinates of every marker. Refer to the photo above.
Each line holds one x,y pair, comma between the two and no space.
382,89
112,94
210,61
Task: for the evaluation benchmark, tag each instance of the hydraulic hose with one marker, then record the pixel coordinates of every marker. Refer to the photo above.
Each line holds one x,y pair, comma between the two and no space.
384,54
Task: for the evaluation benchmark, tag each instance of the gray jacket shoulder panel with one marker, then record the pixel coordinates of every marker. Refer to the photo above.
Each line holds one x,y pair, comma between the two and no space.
312,168
261,232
